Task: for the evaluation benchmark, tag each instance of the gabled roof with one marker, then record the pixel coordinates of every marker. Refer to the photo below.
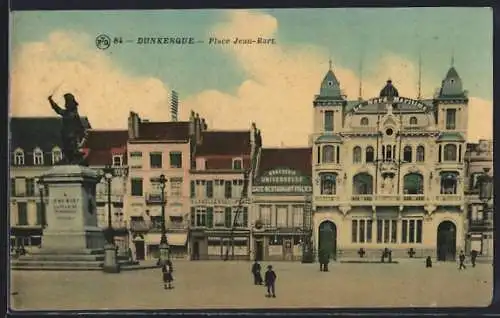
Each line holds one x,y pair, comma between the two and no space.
165,131
103,144
451,136
299,159
224,143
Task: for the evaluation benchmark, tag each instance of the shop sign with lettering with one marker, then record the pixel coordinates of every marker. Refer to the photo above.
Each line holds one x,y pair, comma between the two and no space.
282,180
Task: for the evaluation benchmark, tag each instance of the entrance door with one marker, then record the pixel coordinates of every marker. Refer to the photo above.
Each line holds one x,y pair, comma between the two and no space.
328,238
196,250
259,250
139,250
288,250
446,241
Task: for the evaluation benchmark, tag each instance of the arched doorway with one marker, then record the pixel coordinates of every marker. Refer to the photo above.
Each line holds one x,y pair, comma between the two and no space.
328,238
446,241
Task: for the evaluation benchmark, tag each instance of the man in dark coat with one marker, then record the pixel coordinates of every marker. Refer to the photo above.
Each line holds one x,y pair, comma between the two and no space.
324,258
270,279
257,277
428,262
461,258
473,256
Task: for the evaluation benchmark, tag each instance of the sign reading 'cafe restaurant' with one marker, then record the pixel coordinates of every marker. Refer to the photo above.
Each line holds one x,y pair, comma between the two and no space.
282,180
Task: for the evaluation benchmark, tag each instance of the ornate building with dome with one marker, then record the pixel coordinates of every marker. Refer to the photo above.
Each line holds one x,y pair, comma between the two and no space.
388,171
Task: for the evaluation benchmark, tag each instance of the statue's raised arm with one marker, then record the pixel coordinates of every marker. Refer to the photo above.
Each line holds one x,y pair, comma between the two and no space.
56,107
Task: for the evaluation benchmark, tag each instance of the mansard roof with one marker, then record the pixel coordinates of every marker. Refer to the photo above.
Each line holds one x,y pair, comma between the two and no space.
224,143
298,159
103,144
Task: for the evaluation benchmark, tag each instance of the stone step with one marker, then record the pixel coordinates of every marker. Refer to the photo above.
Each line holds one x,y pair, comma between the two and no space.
52,257
52,263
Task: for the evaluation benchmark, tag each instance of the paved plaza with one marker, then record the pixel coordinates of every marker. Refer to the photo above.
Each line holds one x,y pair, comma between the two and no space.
218,284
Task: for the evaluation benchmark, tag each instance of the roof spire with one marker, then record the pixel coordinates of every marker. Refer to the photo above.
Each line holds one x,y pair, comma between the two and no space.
330,63
360,93
419,75
452,57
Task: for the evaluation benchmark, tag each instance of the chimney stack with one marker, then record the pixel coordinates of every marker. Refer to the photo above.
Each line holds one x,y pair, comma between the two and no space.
197,127
174,105
133,125
204,125
192,127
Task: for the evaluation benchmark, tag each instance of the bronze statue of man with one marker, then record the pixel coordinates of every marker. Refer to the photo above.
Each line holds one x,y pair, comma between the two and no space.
72,132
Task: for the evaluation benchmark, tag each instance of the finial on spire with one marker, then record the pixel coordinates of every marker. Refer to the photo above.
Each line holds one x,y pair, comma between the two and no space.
360,93
330,63
452,57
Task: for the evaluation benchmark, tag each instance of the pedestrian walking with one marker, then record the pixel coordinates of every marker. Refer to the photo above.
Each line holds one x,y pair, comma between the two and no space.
428,262
270,279
167,275
473,256
257,277
461,258
324,258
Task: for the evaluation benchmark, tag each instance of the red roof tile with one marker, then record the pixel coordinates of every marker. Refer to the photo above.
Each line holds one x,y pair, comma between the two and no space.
299,159
224,163
171,131
101,145
228,143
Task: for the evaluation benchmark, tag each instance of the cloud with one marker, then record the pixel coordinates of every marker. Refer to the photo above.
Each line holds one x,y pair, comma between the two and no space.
65,63
277,94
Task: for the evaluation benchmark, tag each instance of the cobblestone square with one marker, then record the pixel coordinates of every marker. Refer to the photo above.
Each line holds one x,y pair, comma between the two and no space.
229,285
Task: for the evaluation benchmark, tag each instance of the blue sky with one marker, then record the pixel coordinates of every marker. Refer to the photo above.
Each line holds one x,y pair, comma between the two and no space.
234,85
347,34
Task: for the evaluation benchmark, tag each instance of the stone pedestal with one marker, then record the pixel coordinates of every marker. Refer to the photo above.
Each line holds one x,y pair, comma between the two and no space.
72,237
110,259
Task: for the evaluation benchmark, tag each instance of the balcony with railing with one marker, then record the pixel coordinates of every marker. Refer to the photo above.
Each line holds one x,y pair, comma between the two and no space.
153,197
116,224
102,196
481,224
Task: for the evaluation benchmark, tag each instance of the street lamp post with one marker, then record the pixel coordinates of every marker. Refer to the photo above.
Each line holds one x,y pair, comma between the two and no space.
41,190
307,248
164,248
110,254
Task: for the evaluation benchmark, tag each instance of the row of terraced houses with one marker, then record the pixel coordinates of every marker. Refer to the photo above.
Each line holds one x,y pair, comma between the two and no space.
390,171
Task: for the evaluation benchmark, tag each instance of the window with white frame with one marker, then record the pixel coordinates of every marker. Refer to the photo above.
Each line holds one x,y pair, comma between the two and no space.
176,187
201,216
219,216
200,188
411,231
219,189
361,230
56,155
19,157
237,164
265,214
237,188
387,231
281,216
298,216
38,157
117,160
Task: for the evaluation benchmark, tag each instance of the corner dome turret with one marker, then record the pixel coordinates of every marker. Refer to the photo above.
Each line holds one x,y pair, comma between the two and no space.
389,90
451,86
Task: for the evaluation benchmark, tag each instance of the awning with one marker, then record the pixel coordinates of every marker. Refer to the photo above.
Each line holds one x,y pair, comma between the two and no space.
177,239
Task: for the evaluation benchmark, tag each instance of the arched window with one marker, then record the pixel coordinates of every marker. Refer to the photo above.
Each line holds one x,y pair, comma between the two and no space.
356,154
407,155
369,154
450,152
56,155
328,183
362,183
19,157
420,153
413,120
449,182
364,121
38,156
413,183
328,154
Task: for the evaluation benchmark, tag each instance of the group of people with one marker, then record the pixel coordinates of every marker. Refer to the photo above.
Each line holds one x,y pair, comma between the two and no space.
269,278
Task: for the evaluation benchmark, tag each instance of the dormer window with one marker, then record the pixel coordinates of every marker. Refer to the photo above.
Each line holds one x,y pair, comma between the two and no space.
19,157
38,157
117,160
56,155
364,121
330,83
237,164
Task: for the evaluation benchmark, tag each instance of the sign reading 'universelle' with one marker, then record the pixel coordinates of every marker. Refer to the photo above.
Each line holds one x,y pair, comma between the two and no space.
282,180
66,208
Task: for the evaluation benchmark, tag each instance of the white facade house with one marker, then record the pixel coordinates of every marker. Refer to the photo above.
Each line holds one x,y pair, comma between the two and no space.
388,171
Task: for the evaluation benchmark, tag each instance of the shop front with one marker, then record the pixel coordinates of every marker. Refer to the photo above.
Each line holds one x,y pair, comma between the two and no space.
220,244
